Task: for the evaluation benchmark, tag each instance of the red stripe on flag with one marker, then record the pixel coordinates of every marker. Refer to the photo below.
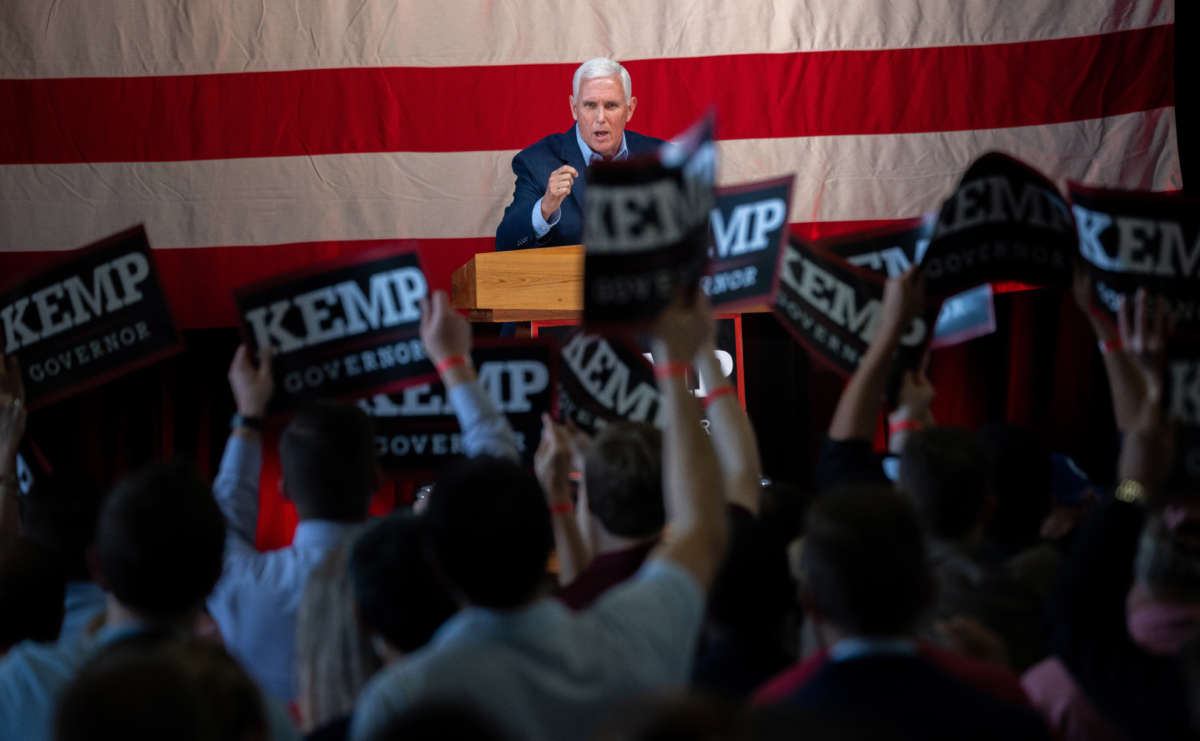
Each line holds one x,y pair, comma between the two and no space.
199,281
312,112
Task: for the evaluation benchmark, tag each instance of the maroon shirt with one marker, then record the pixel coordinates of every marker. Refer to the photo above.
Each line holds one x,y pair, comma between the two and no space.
605,571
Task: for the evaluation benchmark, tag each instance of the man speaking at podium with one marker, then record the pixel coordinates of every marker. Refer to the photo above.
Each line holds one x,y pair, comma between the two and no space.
547,205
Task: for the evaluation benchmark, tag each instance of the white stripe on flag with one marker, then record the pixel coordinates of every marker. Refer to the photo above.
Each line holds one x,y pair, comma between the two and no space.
118,38
463,194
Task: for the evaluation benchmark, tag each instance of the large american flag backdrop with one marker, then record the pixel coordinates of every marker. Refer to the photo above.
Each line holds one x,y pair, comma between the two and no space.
256,137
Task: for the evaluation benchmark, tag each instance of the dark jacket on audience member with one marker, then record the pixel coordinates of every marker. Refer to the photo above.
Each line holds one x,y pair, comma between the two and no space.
914,698
965,585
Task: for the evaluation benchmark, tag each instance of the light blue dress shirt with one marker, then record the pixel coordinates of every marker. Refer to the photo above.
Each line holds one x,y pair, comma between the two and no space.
84,601
32,675
543,672
256,600
540,225
485,430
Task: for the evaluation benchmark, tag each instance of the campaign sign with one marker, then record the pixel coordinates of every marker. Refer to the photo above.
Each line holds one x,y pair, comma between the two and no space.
1004,221
1132,240
1182,405
416,428
346,328
30,467
97,314
963,316
605,379
832,307
1150,240
748,233
645,229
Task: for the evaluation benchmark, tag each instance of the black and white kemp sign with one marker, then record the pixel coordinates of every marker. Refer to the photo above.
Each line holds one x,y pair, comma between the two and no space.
833,308
1150,240
96,315
645,229
748,225
1183,408
1004,221
605,379
342,329
416,428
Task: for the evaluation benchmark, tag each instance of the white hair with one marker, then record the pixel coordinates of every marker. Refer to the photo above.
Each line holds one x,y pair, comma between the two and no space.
601,67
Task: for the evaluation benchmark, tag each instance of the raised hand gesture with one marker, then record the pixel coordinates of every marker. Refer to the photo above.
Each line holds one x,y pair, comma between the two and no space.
558,187
1143,330
1148,447
252,387
444,332
552,462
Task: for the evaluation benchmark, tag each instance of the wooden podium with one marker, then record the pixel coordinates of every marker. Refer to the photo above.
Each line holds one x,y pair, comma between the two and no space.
535,285
544,286
540,284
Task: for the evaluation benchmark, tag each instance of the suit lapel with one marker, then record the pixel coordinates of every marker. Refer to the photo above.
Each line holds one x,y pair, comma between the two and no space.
569,154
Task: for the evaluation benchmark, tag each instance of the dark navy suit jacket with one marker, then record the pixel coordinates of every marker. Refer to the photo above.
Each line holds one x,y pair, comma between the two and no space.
907,697
533,166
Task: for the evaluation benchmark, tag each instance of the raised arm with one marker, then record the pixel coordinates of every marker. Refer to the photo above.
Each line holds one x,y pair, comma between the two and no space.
1147,449
912,408
447,339
696,523
518,228
552,463
12,428
1125,381
1088,605
859,405
731,434
236,484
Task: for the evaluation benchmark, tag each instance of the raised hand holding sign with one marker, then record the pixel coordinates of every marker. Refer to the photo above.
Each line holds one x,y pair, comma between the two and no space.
340,329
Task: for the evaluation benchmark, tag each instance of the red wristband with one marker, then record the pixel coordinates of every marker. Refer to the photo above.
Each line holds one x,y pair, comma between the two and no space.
1107,346
664,371
903,425
562,508
717,393
450,362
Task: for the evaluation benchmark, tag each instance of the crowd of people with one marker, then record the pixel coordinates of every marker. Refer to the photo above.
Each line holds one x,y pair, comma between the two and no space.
647,583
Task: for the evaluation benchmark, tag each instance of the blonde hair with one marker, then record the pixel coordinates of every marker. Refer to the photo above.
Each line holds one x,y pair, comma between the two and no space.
334,658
